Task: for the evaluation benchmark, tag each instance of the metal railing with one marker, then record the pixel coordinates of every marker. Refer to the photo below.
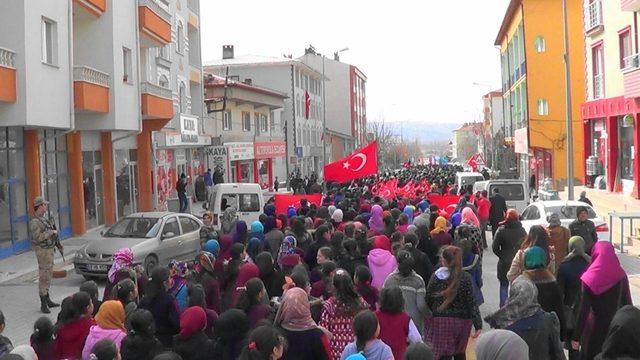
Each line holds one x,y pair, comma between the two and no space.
90,75
631,62
7,58
157,7
593,16
598,88
156,90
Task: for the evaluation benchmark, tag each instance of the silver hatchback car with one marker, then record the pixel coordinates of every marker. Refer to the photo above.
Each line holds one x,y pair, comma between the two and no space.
155,238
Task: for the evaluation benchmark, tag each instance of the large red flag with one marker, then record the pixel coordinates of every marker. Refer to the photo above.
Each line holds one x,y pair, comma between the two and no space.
307,104
363,162
284,201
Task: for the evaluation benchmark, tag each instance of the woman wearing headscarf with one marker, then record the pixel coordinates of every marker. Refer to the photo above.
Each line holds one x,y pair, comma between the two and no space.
307,341
409,210
549,296
299,231
246,272
242,234
501,345
288,247
439,235
192,342
257,231
228,220
109,325
273,236
471,224
376,225
558,238
231,329
381,261
506,242
623,339
254,247
206,276
179,271
538,236
273,279
569,272
605,289
522,315
336,218
122,268
162,305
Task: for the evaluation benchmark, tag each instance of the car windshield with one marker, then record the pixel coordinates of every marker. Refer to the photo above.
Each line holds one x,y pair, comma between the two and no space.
510,192
569,212
135,227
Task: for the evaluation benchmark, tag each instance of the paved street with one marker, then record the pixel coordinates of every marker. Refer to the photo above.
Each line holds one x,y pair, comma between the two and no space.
20,304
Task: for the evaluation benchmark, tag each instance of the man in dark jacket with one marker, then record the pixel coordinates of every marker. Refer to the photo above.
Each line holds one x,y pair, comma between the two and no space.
497,211
584,227
181,189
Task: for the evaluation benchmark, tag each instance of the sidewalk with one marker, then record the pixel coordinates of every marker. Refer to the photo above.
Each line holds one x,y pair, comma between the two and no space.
25,263
605,202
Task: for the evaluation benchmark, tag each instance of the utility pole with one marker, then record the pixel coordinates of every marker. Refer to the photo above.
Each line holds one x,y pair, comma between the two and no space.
567,79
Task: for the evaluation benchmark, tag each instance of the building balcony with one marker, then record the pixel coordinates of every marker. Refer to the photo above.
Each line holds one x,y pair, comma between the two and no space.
631,76
195,75
93,7
155,23
90,90
593,18
630,5
7,76
157,102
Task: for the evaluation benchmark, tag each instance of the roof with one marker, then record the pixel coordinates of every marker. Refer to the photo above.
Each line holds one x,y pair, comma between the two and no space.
216,81
494,93
506,21
257,60
151,214
550,203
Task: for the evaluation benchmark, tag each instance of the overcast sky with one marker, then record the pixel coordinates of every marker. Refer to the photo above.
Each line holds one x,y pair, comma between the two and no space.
421,58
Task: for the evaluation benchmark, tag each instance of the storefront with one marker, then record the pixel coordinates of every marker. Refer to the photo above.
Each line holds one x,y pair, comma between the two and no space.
14,218
541,165
55,179
265,155
242,168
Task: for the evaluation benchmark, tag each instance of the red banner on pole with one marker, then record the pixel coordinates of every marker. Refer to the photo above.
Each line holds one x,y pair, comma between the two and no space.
363,162
284,201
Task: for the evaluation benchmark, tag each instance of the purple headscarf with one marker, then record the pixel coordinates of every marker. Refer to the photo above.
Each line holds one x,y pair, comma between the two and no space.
375,221
121,259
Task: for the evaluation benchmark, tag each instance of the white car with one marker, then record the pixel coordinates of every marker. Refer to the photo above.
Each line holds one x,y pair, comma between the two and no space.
538,214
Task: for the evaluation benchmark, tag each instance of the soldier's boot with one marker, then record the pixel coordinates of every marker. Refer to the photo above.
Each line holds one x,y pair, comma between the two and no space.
43,305
50,303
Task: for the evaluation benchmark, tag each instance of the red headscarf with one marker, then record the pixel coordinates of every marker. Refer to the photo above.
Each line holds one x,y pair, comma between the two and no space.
225,247
510,216
247,272
192,320
382,242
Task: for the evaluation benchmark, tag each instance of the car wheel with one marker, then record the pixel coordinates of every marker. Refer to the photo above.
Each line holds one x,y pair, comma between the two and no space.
150,263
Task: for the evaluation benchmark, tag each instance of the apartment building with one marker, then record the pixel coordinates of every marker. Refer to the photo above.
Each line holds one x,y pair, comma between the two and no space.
248,119
610,112
81,99
531,50
302,112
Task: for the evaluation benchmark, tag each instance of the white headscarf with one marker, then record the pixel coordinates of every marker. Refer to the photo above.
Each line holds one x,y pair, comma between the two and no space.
501,345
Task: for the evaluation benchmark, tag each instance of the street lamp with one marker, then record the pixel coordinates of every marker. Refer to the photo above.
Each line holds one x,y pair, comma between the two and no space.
567,79
324,108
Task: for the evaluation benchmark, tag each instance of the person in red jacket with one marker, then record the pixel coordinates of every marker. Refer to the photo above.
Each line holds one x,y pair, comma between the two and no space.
72,328
398,326
484,207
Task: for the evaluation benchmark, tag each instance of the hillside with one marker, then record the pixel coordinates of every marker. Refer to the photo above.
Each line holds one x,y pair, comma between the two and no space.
425,132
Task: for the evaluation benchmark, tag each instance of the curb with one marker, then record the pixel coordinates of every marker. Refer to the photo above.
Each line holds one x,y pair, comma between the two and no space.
67,266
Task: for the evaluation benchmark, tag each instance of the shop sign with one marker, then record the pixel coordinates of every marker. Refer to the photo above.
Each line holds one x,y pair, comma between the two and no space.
188,125
271,149
217,159
521,145
240,151
187,139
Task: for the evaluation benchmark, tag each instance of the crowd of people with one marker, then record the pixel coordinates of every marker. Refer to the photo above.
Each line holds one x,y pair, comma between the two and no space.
359,277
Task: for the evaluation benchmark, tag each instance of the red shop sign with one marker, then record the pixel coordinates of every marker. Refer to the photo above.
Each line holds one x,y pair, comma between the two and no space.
271,149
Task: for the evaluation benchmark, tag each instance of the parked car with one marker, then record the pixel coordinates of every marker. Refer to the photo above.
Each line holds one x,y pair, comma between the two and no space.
155,238
538,214
515,192
466,179
248,199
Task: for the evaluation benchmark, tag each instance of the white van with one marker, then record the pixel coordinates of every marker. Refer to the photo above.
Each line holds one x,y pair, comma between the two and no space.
464,179
515,192
246,198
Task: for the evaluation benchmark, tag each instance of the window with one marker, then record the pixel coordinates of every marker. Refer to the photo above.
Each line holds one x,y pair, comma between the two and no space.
540,44
264,127
249,202
246,121
226,121
543,107
298,104
597,56
164,52
171,226
297,76
126,66
272,119
531,213
163,82
49,41
626,49
188,225
182,98
256,119
180,38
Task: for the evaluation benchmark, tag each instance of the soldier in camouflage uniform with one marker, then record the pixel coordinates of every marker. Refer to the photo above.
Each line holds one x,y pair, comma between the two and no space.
43,239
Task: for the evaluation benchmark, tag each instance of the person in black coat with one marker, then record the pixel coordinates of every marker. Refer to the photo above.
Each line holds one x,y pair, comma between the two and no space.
497,211
422,265
623,338
585,228
506,243
272,279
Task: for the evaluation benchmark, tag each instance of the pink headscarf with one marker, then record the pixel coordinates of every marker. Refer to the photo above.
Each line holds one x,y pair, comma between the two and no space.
468,217
605,270
121,259
375,221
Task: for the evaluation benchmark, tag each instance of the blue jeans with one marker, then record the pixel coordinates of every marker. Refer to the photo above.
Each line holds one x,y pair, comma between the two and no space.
184,203
504,292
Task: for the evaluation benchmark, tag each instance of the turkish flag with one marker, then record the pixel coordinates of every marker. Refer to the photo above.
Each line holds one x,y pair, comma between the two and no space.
284,201
363,162
307,104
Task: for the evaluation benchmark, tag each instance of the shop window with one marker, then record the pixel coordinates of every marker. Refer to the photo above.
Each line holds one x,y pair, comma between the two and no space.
13,206
55,188
626,147
246,121
226,121
543,107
